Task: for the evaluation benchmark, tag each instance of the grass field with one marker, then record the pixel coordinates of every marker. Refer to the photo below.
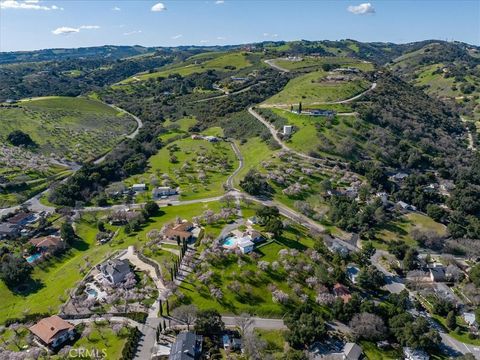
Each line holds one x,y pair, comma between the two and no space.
197,64
201,167
53,279
254,151
77,129
101,338
401,228
314,88
315,63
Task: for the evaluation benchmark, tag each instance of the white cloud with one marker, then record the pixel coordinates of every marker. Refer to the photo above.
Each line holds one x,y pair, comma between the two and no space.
365,8
177,36
219,2
116,8
65,30
26,5
132,32
204,41
159,7
89,27
221,38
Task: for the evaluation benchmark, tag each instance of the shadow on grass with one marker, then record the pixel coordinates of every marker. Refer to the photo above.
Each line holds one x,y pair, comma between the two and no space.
31,286
79,244
292,244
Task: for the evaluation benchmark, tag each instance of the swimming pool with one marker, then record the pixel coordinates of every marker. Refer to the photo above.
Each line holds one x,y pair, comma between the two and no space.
230,241
33,258
92,292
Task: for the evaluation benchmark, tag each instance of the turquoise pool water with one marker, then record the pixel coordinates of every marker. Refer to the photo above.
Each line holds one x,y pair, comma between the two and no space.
230,241
33,257
92,292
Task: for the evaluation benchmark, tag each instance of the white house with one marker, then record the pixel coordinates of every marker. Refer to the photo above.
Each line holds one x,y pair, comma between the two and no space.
160,191
352,273
470,319
287,129
139,187
245,245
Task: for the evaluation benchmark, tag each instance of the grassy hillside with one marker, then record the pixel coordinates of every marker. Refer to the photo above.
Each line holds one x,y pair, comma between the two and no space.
449,71
316,87
200,63
72,128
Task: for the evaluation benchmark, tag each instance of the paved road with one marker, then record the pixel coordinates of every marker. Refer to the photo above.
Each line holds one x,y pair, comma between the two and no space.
271,62
258,323
238,154
227,94
394,283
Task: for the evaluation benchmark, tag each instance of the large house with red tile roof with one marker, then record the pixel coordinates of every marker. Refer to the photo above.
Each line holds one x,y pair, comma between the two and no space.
53,331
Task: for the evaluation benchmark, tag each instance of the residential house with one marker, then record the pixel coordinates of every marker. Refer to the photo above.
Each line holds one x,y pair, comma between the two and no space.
352,273
22,218
287,129
231,343
163,191
9,231
415,354
252,220
320,112
398,177
50,244
245,245
180,232
197,137
187,346
53,331
115,271
138,187
437,273
470,319
341,291
211,138
403,206
352,351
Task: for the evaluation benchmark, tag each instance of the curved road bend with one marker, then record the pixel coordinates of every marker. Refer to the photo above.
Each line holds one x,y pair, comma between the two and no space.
271,63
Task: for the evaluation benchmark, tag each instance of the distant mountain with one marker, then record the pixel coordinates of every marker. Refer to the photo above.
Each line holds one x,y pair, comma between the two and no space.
103,52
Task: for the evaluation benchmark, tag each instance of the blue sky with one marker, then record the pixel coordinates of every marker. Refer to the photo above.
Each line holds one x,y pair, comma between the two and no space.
38,24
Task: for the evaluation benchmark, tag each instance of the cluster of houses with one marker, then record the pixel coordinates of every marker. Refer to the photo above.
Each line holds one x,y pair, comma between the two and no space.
159,192
19,224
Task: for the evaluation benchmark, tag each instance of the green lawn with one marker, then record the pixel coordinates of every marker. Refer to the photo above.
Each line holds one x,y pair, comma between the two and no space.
51,280
372,352
313,87
194,159
401,228
102,338
254,151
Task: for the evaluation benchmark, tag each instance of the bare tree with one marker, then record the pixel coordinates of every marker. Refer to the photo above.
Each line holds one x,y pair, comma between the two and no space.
254,346
368,326
186,314
244,322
